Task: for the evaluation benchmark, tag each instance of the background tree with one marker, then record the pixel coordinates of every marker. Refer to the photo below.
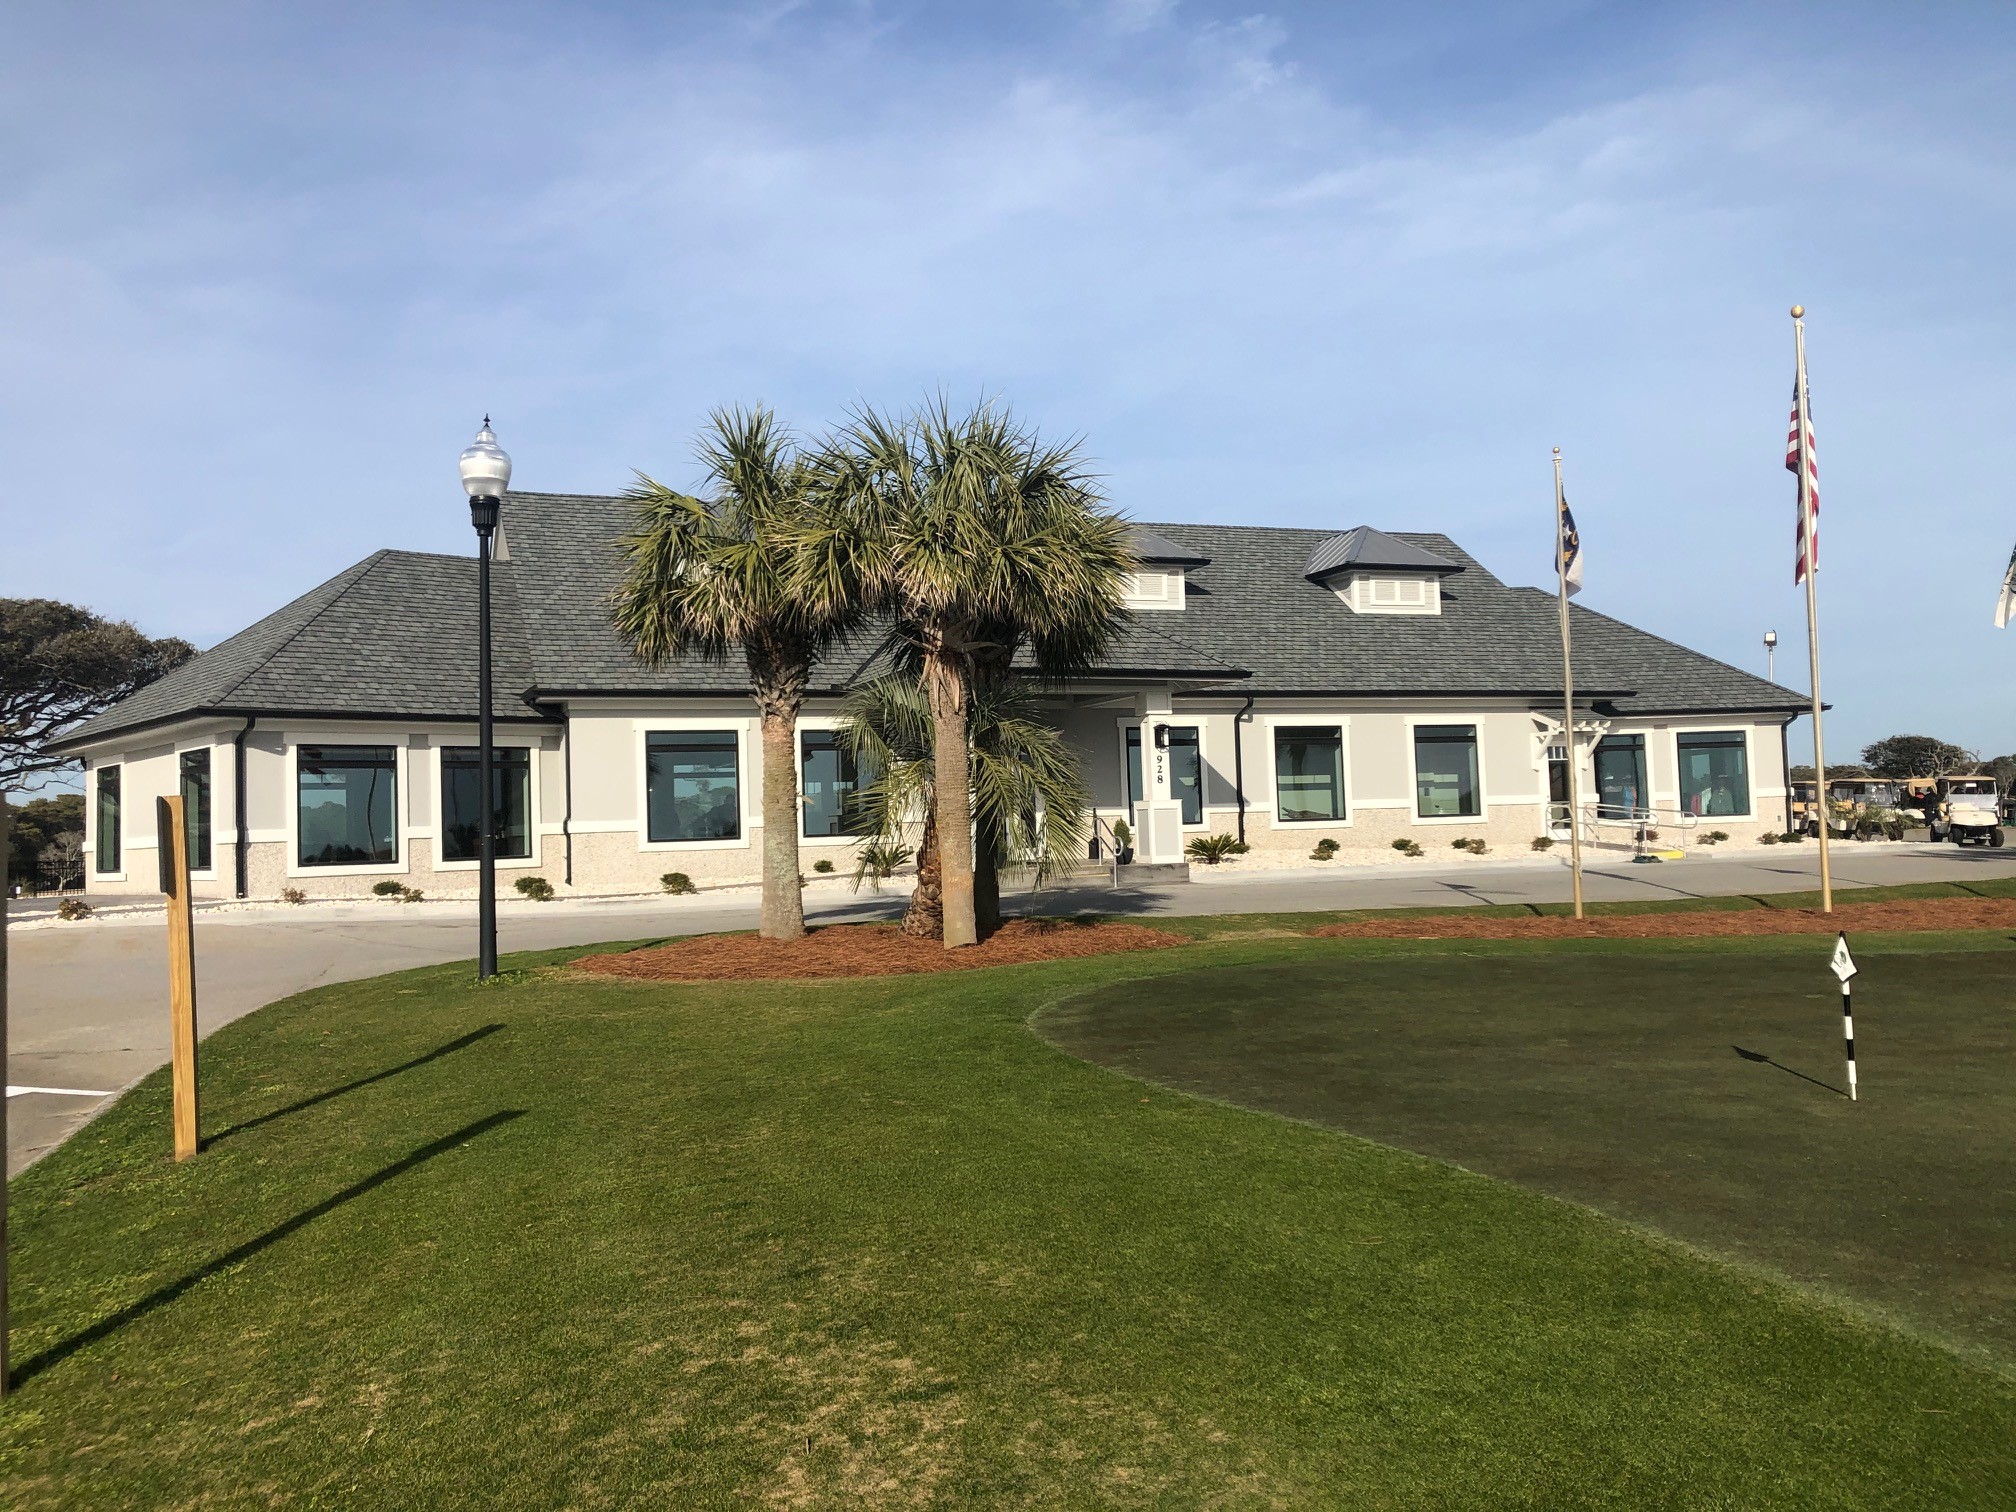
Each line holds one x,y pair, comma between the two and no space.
40,825
980,539
1915,756
1834,769
2003,770
59,665
706,577
1028,786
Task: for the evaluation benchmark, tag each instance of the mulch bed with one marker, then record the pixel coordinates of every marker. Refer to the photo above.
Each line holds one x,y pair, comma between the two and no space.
860,950
1916,914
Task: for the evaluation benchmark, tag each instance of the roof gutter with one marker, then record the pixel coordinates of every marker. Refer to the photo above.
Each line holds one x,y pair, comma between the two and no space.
70,744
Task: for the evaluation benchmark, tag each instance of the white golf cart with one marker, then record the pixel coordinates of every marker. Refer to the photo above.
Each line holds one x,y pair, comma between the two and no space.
1969,809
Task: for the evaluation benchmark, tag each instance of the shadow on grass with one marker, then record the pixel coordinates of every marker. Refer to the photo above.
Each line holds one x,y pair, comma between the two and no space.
1763,1059
363,1081
161,1296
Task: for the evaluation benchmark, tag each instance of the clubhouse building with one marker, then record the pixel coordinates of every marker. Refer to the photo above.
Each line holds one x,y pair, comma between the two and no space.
1284,686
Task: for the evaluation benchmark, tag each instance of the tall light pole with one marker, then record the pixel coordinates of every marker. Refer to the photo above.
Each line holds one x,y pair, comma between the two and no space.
486,474
1770,655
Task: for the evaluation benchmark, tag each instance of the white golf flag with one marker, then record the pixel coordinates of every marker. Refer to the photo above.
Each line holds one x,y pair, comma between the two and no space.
2005,607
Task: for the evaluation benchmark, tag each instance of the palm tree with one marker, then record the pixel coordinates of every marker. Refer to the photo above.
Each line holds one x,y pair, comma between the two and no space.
981,539
706,576
1028,786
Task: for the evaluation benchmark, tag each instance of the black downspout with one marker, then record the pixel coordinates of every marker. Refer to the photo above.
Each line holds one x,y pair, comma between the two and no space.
244,846
1239,764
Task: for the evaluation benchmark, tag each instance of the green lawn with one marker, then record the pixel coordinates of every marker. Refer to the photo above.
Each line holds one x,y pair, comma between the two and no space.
565,1243
1701,1093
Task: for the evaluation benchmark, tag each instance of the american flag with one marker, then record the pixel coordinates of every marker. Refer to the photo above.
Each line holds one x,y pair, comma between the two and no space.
1802,421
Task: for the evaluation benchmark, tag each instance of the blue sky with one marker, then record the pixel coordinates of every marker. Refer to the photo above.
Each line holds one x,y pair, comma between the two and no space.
262,268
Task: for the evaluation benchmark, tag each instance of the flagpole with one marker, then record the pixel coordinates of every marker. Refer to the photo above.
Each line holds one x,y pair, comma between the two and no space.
1808,546
1567,692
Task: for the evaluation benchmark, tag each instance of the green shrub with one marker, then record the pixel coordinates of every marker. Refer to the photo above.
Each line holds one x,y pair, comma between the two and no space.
1212,849
410,894
389,889
1402,843
1123,836
1543,842
1769,837
293,895
822,866
1410,847
677,882
1461,842
1475,847
538,889
1240,847
1325,849
73,908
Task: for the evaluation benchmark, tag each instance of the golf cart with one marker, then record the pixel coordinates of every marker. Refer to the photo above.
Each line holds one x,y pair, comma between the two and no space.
1963,809
1860,808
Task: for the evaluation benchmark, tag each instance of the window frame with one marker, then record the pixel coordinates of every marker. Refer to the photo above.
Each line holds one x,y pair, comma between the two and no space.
1644,766
1273,725
95,825
1749,812
401,775
748,778
438,831
208,753
829,727
1476,722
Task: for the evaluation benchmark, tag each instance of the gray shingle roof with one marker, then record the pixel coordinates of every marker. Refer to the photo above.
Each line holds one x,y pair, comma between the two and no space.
1366,547
394,636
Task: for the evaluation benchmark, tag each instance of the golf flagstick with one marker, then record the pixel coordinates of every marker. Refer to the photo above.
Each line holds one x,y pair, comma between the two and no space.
1845,968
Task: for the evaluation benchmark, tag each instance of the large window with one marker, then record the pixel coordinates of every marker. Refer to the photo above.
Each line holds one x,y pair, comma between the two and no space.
1714,773
1309,773
1186,770
108,819
348,799
1445,771
692,785
196,806
1620,773
462,805
828,779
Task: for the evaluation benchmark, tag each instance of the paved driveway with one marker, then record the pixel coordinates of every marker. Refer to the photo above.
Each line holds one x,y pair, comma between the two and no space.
89,1014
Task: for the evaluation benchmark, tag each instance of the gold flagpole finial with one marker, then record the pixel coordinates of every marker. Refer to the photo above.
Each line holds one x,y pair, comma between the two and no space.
1798,312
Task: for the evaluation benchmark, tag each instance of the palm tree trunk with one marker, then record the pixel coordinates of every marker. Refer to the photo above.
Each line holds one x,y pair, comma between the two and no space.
779,695
945,685
924,919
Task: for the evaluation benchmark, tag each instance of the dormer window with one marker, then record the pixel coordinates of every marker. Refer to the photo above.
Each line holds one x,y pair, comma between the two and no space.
1375,573
1389,592
1154,588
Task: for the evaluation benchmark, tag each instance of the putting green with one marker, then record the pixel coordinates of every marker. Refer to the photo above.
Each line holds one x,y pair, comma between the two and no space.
1696,1093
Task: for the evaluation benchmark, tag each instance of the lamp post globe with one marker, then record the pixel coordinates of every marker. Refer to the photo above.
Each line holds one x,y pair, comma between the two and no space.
1770,655
486,474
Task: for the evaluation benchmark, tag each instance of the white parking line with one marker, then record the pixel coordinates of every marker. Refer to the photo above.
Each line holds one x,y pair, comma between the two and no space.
55,1092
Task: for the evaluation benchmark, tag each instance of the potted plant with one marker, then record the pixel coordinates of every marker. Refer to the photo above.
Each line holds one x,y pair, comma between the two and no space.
1123,840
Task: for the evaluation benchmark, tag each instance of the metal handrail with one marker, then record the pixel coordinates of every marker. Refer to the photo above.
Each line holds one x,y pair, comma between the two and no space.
1104,842
1638,819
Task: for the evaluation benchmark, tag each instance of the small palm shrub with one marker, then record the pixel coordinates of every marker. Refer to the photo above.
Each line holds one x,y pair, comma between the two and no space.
1212,849
293,895
538,889
1325,849
822,866
1409,847
389,889
1475,847
1543,842
881,859
677,882
73,908
410,894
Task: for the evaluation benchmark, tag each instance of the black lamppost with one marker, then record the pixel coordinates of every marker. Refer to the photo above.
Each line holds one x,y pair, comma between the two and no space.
486,474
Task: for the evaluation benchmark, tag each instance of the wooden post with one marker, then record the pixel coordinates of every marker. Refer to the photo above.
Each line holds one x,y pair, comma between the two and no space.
172,830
